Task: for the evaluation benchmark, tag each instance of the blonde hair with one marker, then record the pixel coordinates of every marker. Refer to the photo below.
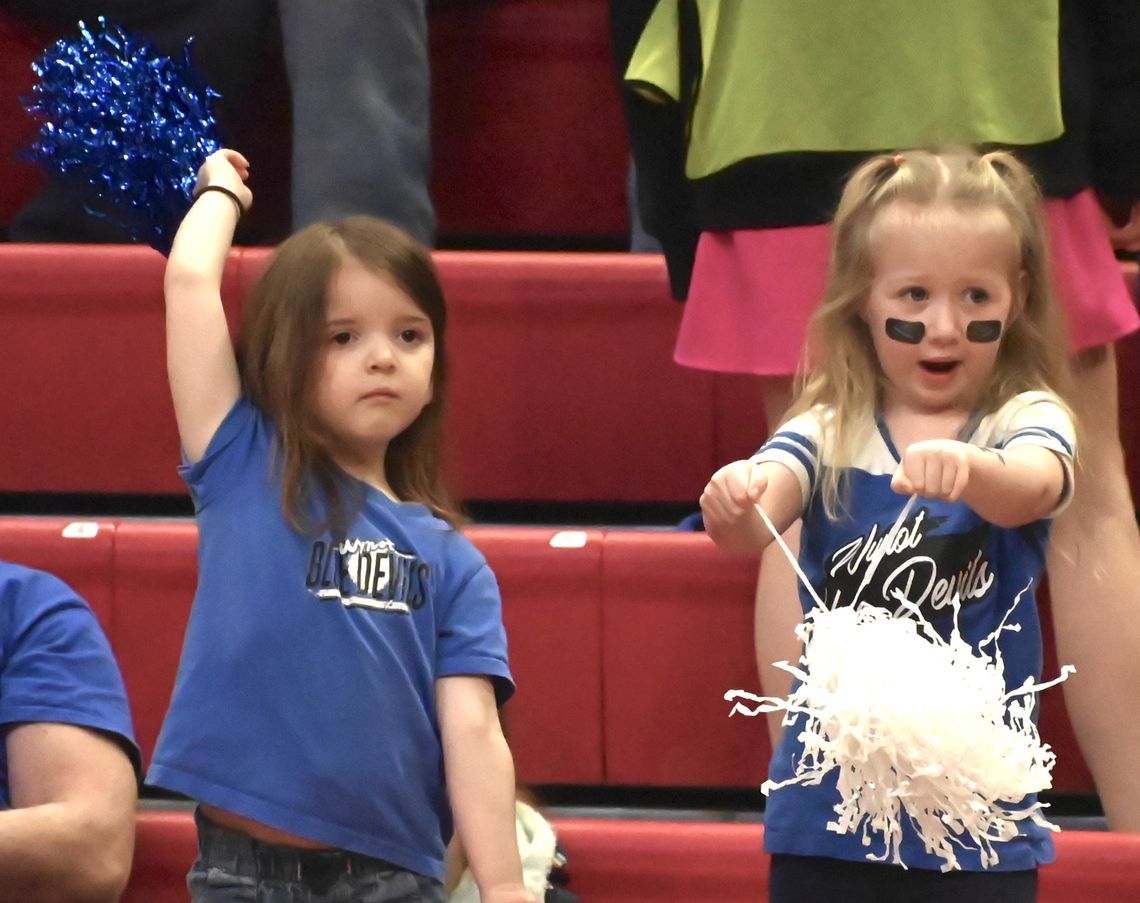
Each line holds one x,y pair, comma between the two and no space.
279,350
841,369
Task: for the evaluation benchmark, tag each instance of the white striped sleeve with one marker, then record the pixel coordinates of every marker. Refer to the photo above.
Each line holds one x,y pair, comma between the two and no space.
796,445
1035,418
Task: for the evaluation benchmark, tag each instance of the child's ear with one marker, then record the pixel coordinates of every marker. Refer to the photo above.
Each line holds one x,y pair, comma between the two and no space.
1020,296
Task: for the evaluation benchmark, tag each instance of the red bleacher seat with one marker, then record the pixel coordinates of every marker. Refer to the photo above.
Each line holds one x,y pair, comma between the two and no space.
528,135
625,861
623,643
551,586
80,553
20,42
84,371
677,635
618,861
563,388
562,384
156,574
140,576
166,845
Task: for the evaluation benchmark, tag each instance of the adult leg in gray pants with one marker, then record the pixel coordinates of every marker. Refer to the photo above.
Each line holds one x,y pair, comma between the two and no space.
359,79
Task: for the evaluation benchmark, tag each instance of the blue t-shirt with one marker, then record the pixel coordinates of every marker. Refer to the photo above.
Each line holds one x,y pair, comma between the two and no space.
55,663
305,696
942,550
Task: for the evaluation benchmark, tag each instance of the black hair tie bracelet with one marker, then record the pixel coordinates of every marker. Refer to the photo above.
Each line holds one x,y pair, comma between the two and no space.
232,195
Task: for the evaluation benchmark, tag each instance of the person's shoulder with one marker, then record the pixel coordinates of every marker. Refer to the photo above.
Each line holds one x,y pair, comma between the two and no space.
1036,413
13,574
1023,400
442,538
464,556
810,429
26,589
35,604
242,444
814,420
1037,404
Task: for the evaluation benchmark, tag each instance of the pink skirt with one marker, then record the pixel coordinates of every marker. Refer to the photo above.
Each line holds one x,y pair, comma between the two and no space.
753,290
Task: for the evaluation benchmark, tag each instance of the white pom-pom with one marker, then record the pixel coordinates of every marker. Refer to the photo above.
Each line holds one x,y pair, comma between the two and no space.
918,727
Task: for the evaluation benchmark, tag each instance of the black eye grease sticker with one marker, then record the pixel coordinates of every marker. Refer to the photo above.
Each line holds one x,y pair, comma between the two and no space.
908,331
983,330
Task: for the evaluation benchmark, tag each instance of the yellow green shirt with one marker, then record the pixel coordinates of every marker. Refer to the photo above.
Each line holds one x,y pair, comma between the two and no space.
779,75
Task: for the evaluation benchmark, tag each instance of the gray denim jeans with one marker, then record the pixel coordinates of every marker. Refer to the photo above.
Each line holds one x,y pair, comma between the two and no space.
232,867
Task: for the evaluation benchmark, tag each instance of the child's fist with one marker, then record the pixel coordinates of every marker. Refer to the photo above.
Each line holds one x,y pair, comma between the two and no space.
934,468
228,169
731,493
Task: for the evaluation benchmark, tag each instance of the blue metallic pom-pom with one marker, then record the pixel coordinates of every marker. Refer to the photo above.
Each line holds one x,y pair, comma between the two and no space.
128,123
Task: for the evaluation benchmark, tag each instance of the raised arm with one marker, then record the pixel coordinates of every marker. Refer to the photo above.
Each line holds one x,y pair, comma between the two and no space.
69,835
1009,488
481,784
728,504
204,381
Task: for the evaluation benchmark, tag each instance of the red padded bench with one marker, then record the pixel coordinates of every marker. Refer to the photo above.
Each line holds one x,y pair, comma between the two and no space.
677,616
564,388
623,643
141,576
676,635
619,861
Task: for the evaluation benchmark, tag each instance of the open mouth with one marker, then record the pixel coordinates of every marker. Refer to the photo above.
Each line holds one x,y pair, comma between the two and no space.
938,366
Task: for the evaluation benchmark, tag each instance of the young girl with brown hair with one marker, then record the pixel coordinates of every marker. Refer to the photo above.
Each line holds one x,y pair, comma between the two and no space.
337,696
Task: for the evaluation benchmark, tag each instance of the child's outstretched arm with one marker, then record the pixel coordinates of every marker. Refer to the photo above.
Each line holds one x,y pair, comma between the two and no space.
200,364
1008,488
481,784
728,504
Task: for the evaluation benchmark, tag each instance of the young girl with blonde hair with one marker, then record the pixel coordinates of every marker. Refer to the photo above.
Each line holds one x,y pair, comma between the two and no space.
935,370
337,696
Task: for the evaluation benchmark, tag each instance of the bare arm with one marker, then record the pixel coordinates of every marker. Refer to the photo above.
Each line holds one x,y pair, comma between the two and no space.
204,381
1125,233
70,834
729,501
481,784
1008,488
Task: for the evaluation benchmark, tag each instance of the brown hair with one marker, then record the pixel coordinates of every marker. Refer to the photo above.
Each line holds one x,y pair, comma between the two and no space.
279,350
842,371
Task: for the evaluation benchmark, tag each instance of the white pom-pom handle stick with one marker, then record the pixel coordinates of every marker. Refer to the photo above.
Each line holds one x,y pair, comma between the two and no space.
873,565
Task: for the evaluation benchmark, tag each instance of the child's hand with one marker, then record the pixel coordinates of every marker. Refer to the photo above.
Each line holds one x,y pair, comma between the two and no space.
228,169
935,469
731,494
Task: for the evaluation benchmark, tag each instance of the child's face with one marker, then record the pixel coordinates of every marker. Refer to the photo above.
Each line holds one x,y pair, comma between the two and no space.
945,285
373,374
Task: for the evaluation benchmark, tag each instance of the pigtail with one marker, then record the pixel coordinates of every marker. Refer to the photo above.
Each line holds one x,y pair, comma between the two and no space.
1036,345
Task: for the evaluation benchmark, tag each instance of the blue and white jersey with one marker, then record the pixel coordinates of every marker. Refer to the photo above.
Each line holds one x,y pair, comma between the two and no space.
942,551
